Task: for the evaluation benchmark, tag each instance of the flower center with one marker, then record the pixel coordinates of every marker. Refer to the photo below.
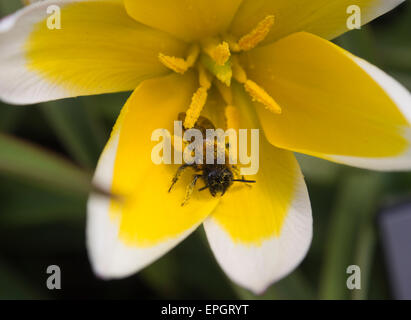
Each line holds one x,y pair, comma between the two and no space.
218,58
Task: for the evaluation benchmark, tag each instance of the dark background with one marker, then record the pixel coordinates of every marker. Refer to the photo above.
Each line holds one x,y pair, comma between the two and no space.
48,153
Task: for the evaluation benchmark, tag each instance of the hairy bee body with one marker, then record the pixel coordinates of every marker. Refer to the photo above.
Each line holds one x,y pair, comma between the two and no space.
217,178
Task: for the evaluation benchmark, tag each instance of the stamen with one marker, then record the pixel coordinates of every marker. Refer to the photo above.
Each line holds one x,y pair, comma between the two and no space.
204,77
258,34
238,72
232,117
197,104
232,43
225,92
219,52
259,94
180,65
254,90
193,54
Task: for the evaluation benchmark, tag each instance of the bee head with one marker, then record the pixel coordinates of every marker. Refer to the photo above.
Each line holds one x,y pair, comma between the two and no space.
218,179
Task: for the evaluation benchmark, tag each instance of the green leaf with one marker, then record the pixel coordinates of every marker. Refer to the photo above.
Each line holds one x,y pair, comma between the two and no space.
357,202
363,258
29,162
397,57
23,205
14,286
8,7
361,43
9,116
403,77
318,170
107,106
78,129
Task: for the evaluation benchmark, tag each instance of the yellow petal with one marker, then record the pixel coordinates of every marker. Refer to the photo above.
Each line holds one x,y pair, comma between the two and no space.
189,20
99,49
125,235
335,106
259,233
326,18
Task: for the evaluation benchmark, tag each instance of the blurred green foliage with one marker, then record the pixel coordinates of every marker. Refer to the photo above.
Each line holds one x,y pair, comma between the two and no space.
48,153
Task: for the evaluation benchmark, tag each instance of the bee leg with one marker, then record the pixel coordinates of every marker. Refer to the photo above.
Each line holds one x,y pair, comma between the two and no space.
190,189
237,175
177,175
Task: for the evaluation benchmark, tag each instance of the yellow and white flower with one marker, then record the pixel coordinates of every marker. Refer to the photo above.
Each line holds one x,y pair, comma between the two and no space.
273,66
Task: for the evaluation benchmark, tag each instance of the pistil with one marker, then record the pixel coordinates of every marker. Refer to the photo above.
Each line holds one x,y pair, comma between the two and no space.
214,58
225,92
222,73
218,51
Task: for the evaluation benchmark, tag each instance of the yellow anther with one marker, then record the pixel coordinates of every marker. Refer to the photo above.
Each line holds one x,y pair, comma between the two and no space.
238,72
259,94
204,77
180,65
258,34
232,117
218,51
254,90
197,104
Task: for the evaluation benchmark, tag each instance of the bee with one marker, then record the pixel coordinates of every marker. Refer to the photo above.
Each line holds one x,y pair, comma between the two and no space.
217,178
